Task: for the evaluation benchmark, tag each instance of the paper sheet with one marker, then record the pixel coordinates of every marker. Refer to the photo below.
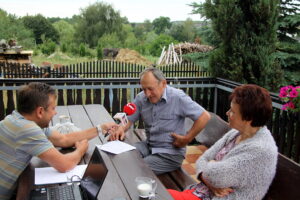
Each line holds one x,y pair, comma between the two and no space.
116,147
49,175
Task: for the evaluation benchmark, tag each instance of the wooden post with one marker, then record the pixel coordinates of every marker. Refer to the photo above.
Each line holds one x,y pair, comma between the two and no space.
116,102
88,99
70,100
79,95
97,94
2,113
106,99
10,101
60,99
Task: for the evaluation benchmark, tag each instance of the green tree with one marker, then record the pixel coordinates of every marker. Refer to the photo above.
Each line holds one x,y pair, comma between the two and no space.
124,32
110,41
139,30
161,24
145,43
13,28
148,25
183,31
95,21
247,30
205,31
130,41
41,26
207,34
65,30
288,48
162,40
288,20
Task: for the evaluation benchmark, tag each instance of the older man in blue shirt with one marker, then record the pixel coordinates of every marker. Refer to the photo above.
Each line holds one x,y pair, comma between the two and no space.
163,110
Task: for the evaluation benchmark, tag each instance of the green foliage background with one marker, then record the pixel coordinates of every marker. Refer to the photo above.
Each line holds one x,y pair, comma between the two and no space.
254,41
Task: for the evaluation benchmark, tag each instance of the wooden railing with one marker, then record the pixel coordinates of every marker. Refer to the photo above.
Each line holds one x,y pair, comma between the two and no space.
96,69
114,93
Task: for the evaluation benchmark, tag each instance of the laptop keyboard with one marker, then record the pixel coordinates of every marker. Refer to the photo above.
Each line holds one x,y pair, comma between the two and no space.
62,192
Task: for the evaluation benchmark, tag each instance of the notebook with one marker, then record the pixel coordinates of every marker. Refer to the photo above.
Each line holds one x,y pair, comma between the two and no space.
89,186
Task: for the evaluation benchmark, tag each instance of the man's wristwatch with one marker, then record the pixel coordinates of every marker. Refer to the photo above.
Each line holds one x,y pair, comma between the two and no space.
99,129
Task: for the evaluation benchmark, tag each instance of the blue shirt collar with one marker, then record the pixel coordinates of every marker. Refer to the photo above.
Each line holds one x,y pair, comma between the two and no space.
164,96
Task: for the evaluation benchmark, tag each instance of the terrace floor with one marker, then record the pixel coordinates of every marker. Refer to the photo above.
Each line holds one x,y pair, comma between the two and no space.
192,154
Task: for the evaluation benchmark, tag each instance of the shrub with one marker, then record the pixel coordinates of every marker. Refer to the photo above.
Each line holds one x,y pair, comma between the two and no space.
161,41
82,50
48,47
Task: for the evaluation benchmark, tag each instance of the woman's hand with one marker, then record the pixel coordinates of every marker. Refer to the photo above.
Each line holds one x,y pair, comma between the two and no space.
219,192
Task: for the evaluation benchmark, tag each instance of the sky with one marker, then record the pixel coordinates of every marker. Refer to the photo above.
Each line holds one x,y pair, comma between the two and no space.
134,10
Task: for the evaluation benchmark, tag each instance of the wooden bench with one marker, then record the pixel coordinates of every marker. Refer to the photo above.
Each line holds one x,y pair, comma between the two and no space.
286,183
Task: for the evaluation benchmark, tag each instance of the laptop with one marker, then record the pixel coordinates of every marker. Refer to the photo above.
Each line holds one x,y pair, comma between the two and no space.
89,186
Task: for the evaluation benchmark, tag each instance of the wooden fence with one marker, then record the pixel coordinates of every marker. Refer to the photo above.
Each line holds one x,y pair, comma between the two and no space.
96,69
114,93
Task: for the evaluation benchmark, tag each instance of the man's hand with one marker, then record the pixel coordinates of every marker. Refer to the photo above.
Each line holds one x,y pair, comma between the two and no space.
117,133
82,146
108,126
180,140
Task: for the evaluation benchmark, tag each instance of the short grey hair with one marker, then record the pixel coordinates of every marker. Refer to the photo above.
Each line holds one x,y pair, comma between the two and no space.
159,75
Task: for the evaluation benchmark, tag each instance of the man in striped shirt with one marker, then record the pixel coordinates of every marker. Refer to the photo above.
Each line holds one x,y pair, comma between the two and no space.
22,137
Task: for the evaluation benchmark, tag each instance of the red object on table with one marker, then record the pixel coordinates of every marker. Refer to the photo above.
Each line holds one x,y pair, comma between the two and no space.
129,108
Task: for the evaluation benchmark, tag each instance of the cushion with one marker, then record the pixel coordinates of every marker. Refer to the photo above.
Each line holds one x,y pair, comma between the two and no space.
213,131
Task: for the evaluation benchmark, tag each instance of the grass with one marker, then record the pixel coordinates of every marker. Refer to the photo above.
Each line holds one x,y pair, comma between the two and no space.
152,59
59,58
64,59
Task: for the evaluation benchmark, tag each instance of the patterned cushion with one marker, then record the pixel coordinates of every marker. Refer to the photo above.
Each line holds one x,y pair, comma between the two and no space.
214,130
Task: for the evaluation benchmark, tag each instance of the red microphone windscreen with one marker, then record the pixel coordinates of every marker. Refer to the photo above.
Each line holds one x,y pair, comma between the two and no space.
129,108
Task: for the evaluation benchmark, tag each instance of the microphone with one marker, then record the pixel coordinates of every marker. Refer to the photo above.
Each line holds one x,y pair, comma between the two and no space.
121,117
129,108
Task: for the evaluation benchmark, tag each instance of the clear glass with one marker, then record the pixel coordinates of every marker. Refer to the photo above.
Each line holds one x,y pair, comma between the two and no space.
146,187
64,118
65,125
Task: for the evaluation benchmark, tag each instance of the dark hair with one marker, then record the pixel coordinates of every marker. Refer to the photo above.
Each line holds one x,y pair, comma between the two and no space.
156,73
34,95
255,103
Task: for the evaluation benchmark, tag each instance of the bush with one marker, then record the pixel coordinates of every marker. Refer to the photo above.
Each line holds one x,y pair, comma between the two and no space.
201,59
82,50
91,53
48,47
73,49
161,41
99,52
110,41
64,47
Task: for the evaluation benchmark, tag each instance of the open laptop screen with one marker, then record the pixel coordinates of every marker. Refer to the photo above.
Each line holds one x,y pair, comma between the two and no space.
94,175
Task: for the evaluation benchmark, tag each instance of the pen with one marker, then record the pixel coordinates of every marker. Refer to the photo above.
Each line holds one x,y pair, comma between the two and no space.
106,134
